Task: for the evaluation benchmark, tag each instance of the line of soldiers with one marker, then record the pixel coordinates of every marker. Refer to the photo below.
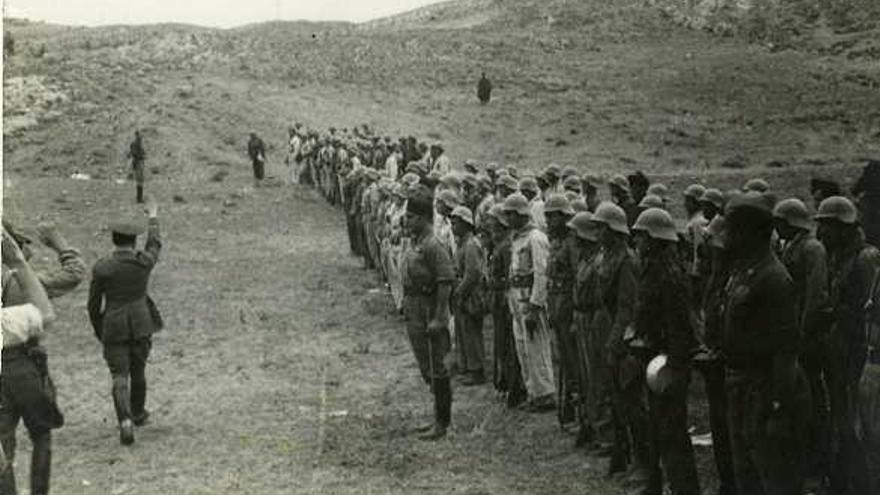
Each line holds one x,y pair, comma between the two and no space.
602,310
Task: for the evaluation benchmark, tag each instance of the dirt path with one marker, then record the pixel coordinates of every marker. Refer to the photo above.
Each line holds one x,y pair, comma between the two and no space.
283,368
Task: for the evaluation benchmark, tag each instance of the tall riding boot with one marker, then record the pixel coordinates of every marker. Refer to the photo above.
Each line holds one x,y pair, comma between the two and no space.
442,409
138,398
41,463
140,194
122,403
7,478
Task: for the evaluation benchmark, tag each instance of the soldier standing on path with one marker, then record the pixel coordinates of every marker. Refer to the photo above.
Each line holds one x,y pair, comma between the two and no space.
468,297
138,155
427,284
528,303
759,343
124,317
852,266
257,154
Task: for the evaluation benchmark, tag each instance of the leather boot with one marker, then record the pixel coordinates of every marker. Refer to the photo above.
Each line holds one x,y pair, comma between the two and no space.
140,194
41,463
442,409
122,404
138,399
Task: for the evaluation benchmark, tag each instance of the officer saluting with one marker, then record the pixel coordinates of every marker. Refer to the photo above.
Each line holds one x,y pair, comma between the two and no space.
426,286
124,317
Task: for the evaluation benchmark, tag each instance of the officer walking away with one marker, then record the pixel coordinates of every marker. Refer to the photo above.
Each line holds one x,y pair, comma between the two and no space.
852,266
137,155
484,89
759,344
427,284
257,154
124,317
25,388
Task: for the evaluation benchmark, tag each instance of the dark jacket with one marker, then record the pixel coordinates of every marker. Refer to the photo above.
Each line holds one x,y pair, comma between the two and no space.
136,151
119,308
256,148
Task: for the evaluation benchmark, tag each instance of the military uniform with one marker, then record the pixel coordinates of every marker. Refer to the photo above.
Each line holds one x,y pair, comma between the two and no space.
560,279
507,374
124,319
591,393
470,306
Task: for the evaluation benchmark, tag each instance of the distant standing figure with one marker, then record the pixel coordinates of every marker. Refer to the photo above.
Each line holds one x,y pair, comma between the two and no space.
484,89
137,155
257,153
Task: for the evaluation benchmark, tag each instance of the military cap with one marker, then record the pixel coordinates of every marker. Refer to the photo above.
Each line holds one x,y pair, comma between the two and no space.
497,212
451,180
838,208
713,196
579,205
552,170
470,165
569,171
131,228
420,202
752,200
658,224
529,184
759,185
794,212
471,178
518,203
558,202
572,183
694,191
463,213
659,190
583,226
449,198
652,201
611,215
508,182
619,182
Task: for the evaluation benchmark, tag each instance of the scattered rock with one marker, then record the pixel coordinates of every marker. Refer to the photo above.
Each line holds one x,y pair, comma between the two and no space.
219,176
561,142
777,164
735,162
178,199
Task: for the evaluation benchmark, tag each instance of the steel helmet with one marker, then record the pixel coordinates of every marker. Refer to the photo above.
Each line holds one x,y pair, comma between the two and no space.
410,179
839,208
619,182
582,224
651,201
659,190
794,212
451,180
552,170
694,191
569,171
715,232
470,165
512,171
448,198
485,182
713,196
611,215
529,184
558,202
572,183
658,224
759,185
658,374
497,212
463,213
518,203
491,167
471,179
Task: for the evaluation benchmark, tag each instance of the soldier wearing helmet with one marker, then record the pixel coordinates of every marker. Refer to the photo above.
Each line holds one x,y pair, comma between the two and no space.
527,297
662,327
711,203
507,376
852,266
759,344
505,186
805,259
529,188
551,178
590,185
468,305
616,300
560,278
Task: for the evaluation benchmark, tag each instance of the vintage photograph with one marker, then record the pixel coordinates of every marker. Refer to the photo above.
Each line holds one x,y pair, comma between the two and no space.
476,247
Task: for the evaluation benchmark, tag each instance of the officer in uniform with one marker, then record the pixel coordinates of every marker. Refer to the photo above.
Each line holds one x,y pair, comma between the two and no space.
427,284
124,317
759,343
805,259
851,269
663,333
560,279
468,297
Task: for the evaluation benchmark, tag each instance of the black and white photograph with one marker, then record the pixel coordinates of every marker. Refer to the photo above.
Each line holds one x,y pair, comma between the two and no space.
475,247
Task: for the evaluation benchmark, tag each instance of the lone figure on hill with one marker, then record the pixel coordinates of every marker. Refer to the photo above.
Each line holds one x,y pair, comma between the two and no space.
484,89
257,153
137,155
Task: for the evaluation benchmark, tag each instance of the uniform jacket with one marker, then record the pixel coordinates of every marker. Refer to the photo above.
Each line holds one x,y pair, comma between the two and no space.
851,274
618,292
119,308
470,269
805,259
530,250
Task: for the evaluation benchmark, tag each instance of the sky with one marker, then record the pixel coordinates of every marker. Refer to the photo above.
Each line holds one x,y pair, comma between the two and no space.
215,13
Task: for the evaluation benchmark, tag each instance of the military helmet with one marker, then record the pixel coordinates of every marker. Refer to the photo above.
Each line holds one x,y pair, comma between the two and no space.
658,224
552,170
569,171
619,182
485,182
572,183
409,179
451,179
491,167
470,178
470,165
839,208
756,184
518,203
658,374
463,213
652,201
579,205
558,202
794,212
511,169
529,184
694,191
713,196
659,190
611,215
449,198
497,212
592,180
508,182
583,226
